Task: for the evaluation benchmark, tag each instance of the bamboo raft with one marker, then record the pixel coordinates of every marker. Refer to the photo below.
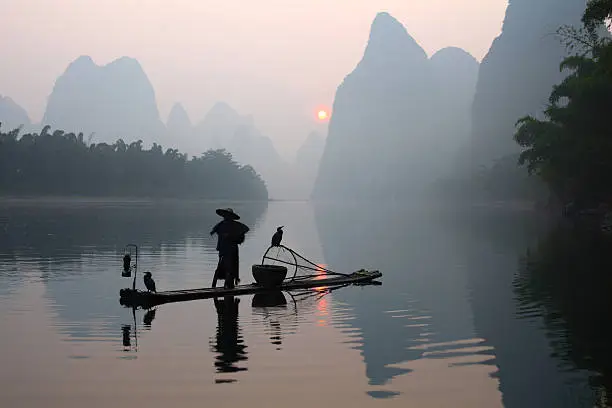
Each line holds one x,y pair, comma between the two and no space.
137,298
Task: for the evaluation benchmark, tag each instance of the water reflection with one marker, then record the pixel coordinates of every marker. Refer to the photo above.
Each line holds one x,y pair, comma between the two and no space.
566,279
271,306
449,295
423,298
466,316
57,230
126,330
280,318
75,248
494,241
148,317
229,343
129,338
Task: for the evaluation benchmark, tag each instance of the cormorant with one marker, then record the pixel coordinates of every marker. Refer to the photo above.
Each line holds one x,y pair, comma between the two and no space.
277,237
149,282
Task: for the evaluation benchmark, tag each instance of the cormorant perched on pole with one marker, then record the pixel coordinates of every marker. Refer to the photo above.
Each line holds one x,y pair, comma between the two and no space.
277,237
149,282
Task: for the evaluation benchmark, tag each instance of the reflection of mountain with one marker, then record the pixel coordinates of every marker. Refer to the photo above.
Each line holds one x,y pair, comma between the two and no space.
71,239
492,241
423,297
447,276
566,279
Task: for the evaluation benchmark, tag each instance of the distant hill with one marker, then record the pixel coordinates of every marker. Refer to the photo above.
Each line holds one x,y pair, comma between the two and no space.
12,115
307,160
309,154
373,134
179,128
399,117
224,128
115,100
455,74
517,74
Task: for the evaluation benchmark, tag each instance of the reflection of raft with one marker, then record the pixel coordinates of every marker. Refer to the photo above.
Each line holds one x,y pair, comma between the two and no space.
136,298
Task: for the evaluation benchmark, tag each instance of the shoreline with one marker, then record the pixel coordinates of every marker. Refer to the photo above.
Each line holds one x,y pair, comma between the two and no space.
117,199
520,205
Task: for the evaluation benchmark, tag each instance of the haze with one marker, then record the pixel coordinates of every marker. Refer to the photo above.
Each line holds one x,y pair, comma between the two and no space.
276,60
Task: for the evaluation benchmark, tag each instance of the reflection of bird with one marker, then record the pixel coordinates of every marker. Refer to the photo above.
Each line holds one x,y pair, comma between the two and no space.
149,282
125,330
148,317
277,237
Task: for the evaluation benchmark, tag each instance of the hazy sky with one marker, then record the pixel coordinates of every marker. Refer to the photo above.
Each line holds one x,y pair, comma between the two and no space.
275,59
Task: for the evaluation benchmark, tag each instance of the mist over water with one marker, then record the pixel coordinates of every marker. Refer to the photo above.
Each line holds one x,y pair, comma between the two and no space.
401,119
391,148
449,325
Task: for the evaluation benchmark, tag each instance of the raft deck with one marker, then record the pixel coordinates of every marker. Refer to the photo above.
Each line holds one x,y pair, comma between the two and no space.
137,298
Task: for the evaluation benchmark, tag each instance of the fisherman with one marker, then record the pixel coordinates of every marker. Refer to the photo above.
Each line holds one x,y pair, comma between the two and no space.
230,234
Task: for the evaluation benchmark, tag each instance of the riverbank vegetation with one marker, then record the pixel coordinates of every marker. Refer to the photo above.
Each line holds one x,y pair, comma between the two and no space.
570,149
59,163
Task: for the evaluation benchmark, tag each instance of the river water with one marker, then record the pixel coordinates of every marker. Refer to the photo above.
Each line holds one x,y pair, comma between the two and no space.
478,307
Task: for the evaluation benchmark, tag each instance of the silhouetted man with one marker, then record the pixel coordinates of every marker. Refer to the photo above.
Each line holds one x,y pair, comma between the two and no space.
230,234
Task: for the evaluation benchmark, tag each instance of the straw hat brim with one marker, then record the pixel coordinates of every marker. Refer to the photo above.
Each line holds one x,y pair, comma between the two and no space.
227,213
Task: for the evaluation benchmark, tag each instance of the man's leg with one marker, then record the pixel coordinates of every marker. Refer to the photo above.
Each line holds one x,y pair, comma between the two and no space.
237,270
216,274
230,272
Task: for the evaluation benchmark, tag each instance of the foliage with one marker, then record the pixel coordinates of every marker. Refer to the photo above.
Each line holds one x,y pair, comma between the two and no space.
597,12
595,31
62,163
570,149
580,41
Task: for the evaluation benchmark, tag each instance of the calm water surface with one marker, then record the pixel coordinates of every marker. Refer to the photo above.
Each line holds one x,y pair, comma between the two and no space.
478,308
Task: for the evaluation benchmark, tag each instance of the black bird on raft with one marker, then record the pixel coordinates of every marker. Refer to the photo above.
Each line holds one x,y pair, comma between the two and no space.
149,282
277,237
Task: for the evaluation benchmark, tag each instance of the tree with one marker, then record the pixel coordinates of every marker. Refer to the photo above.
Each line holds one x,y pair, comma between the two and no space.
571,148
62,163
597,12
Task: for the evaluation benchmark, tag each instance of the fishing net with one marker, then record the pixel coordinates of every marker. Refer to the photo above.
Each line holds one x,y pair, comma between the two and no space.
298,266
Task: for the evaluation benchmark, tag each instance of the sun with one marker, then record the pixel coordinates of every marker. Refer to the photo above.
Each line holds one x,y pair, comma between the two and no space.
322,113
